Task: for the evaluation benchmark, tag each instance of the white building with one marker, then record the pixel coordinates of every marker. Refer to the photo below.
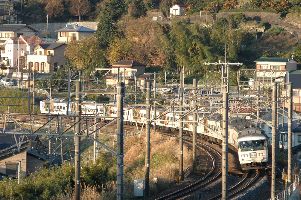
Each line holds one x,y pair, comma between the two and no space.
128,70
8,31
73,32
15,51
269,69
176,10
46,58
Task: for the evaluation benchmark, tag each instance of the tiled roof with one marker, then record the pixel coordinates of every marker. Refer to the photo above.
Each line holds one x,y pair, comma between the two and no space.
51,46
15,27
34,40
127,63
271,59
75,28
295,72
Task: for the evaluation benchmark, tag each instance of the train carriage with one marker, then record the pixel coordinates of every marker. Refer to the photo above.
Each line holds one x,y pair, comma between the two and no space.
208,127
252,149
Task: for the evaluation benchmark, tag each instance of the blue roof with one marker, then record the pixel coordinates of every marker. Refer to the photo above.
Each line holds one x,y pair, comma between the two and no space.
75,28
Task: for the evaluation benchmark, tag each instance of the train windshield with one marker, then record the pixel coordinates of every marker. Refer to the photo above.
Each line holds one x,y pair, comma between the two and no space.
252,145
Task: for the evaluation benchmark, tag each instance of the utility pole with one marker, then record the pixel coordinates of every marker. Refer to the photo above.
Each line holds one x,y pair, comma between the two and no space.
155,95
195,118
77,140
289,132
258,106
225,145
28,87
225,89
58,131
33,88
274,131
50,140
19,172
94,142
135,87
120,95
181,173
148,126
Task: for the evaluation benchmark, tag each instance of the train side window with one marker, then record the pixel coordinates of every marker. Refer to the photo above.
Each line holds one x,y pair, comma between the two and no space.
299,138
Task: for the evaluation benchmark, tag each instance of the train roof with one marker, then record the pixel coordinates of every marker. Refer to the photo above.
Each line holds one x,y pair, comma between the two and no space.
252,133
240,124
248,138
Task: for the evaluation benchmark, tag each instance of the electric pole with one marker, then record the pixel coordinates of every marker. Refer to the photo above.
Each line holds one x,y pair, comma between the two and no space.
147,139
225,145
225,89
77,140
289,132
155,95
94,142
258,106
181,173
120,95
274,131
195,118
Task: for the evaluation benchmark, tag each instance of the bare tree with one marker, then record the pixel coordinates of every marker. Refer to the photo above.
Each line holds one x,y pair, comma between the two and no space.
54,8
79,8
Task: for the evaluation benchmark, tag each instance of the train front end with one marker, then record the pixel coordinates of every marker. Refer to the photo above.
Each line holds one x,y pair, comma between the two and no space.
253,152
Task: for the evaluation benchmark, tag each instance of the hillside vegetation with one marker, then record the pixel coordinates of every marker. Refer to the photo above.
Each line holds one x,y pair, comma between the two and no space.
98,180
66,10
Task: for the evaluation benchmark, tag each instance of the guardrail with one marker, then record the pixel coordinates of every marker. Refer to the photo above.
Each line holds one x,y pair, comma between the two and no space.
285,194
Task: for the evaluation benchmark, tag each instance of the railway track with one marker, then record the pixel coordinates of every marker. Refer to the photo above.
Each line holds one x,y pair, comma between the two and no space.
247,181
213,174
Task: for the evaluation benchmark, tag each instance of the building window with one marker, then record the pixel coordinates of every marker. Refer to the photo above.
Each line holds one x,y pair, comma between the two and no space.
40,53
62,34
42,67
73,37
36,66
295,93
11,169
276,67
265,67
30,65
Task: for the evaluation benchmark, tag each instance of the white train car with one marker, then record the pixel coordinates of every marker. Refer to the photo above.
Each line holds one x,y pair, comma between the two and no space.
55,106
252,149
209,128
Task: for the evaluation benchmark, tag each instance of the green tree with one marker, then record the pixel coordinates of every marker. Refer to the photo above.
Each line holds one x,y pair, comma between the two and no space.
190,46
164,6
297,53
107,29
151,4
85,55
136,8
119,49
110,13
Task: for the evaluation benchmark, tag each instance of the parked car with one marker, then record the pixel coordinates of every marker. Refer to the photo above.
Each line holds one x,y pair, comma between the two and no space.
7,82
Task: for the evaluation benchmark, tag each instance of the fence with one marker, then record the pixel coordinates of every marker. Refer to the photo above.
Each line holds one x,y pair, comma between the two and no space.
285,194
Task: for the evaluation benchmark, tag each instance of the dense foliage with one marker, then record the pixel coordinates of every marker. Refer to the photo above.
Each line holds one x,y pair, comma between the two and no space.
49,183
66,10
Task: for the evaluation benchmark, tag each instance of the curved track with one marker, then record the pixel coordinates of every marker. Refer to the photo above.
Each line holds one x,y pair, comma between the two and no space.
247,181
213,174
